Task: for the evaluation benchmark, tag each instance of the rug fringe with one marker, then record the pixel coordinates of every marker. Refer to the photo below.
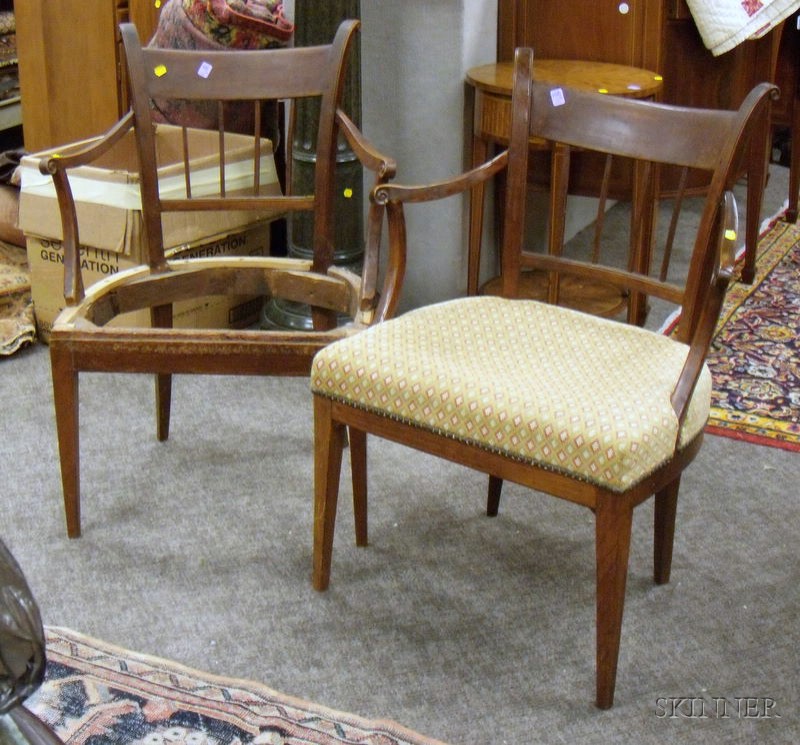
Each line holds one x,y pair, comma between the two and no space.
153,689
768,222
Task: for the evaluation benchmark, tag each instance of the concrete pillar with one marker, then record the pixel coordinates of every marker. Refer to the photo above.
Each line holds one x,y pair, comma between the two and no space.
414,56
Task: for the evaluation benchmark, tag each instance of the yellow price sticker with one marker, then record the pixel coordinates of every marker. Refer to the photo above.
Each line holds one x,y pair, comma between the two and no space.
158,4
730,234
602,90
160,71
348,193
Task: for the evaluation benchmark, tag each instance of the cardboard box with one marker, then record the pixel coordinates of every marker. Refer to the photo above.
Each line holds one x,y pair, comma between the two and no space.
108,206
108,202
46,266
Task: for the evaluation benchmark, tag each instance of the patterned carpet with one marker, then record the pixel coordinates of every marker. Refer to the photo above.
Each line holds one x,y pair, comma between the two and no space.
97,693
755,354
17,326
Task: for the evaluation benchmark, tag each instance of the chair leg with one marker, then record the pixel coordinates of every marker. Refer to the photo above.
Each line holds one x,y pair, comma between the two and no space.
666,504
493,497
613,521
161,317
65,398
480,151
163,405
358,468
758,157
328,445
794,164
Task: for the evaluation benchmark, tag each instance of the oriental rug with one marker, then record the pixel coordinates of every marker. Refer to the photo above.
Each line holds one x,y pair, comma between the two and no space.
99,694
17,325
755,354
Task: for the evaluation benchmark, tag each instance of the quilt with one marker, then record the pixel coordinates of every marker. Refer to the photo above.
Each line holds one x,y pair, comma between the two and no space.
724,24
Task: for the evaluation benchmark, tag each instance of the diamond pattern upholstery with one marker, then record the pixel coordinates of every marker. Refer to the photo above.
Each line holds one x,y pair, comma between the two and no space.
475,369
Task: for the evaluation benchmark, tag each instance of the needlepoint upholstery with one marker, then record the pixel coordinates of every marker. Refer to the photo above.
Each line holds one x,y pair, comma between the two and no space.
521,377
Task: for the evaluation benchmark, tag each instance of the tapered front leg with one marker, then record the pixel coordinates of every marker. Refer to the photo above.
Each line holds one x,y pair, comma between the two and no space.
161,317
65,398
163,383
613,520
666,505
328,445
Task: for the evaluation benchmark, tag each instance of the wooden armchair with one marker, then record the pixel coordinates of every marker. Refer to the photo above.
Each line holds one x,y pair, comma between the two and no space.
81,340
592,410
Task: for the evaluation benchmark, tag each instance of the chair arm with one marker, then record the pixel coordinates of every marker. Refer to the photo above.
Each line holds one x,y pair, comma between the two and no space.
385,193
390,197
382,165
89,152
384,168
57,165
704,333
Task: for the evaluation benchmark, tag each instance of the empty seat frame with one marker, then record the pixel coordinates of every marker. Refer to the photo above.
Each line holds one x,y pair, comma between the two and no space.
341,302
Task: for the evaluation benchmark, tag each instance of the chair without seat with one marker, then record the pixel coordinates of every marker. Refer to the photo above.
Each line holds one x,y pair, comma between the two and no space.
81,340
592,410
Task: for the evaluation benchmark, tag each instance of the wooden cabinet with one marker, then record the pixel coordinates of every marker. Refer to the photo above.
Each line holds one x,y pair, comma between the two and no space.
787,74
694,77
70,66
627,33
144,15
658,35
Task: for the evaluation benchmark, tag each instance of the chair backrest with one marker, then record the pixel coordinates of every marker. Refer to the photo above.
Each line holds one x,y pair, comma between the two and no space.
185,81
647,138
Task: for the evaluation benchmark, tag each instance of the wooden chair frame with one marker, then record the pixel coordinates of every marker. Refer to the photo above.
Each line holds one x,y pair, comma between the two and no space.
699,138
80,340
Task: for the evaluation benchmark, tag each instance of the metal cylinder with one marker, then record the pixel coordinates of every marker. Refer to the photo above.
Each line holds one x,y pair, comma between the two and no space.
316,23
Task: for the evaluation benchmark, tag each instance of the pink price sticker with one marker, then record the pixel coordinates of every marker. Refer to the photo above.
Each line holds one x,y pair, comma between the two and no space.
204,70
557,97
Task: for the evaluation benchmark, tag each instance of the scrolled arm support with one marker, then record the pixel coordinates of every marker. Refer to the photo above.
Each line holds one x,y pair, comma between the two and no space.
390,198
385,193
384,168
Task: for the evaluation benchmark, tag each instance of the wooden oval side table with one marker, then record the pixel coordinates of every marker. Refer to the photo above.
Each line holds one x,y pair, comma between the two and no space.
492,84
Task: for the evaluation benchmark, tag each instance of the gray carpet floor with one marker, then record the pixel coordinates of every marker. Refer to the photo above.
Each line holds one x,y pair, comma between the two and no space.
468,629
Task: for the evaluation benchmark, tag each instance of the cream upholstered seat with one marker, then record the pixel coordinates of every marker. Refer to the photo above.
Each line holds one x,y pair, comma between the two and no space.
475,369
591,410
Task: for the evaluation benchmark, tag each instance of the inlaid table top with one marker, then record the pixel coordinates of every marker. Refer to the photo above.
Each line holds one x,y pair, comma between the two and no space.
606,77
